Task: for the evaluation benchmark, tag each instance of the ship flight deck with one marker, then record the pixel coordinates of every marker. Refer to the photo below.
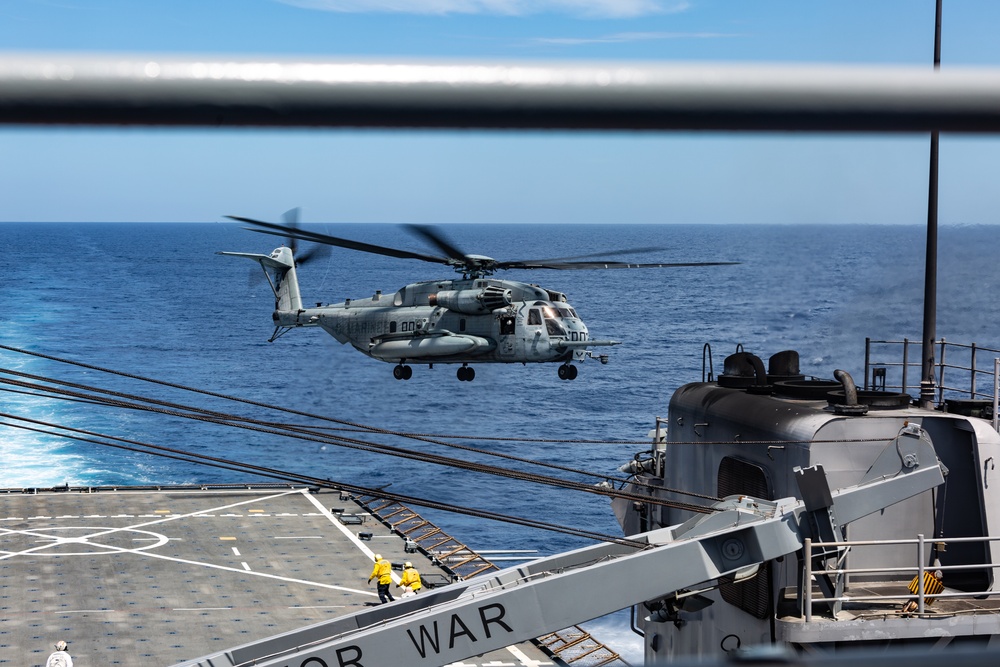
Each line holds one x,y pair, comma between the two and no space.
158,576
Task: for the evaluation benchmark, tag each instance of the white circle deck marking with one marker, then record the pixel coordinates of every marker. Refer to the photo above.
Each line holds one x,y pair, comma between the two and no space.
91,536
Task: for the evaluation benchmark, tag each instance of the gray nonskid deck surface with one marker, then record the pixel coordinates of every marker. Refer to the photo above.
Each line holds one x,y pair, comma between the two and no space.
157,577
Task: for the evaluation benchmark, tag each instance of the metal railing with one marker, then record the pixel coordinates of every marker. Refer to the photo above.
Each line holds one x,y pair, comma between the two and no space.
921,597
972,374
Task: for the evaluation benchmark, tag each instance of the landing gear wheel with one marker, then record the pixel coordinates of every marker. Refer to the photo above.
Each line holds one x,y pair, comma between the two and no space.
402,372
407,372
567,372
466,374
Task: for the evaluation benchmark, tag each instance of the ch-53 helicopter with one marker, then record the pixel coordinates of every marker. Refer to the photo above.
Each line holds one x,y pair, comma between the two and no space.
473,319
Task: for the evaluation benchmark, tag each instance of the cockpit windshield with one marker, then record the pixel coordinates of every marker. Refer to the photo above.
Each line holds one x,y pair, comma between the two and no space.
552,315
566,311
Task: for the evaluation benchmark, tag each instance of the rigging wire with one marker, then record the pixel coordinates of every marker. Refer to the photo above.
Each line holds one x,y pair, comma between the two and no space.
237,399
361,427
497,438
200,414
316,434
427,437
275,473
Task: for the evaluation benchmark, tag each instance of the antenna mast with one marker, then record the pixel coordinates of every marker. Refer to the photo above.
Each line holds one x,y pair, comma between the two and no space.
927,382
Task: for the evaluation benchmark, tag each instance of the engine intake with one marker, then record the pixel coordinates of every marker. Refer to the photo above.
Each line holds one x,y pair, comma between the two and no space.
472,301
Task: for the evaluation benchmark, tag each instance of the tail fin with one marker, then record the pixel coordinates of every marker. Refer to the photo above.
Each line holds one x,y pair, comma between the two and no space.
279,267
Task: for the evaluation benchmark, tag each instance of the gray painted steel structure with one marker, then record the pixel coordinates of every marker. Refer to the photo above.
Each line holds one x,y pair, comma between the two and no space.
468,618
147,89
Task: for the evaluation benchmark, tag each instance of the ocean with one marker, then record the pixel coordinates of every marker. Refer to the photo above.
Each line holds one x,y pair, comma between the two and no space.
155,300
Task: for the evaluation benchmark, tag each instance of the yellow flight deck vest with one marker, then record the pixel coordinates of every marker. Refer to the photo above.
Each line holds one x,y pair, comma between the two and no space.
410,578
383,570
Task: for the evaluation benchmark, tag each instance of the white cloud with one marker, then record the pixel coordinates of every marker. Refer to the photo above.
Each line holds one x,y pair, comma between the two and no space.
630,37
583,8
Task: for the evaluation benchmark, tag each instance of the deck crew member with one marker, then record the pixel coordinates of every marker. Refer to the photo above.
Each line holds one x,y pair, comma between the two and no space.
410,581
60,657
383,571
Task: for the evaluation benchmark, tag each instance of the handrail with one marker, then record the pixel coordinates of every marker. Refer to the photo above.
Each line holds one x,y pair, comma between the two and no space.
972,369
921,597
153,89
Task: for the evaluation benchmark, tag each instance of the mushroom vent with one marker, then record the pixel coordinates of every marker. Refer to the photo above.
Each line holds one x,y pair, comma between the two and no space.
784,367
742,370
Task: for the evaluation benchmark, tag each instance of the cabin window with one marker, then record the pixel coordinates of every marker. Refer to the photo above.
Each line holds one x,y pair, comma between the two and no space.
392,326
461,324
534,316
507,326
753,596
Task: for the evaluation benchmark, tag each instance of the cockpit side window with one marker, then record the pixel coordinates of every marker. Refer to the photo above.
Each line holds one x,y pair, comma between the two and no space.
534,316
549,312
554,328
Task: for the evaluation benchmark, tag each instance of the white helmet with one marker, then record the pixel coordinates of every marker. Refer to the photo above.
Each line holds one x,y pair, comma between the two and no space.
378,556
60,645
407,564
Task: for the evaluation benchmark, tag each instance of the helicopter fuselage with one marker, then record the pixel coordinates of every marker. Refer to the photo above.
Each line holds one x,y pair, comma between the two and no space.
474,319
481,320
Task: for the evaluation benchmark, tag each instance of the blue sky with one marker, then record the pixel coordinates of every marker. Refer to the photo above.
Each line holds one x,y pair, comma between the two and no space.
443,177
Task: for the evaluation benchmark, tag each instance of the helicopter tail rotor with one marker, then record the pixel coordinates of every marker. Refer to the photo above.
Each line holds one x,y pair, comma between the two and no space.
292,233
315,251
279,267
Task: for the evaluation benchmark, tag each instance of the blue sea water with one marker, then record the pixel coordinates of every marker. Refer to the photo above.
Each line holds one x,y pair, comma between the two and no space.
155,300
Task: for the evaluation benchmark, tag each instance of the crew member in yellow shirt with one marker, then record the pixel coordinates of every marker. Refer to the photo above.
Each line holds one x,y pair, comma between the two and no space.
410,581
383,570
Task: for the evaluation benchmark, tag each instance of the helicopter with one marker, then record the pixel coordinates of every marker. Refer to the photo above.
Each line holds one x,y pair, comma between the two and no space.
473,319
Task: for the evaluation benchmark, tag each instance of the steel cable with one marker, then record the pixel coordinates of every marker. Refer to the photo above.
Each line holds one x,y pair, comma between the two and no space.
275,473
200,414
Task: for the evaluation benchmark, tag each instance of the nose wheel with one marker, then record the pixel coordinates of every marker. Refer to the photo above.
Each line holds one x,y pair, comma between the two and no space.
466,374
402,372
567,372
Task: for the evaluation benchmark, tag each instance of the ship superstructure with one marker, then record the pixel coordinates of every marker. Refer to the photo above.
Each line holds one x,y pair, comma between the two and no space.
877,580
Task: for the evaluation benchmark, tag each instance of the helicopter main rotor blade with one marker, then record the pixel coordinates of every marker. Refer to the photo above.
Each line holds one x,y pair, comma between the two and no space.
438,239
317,251
612,253
303,235
581,266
